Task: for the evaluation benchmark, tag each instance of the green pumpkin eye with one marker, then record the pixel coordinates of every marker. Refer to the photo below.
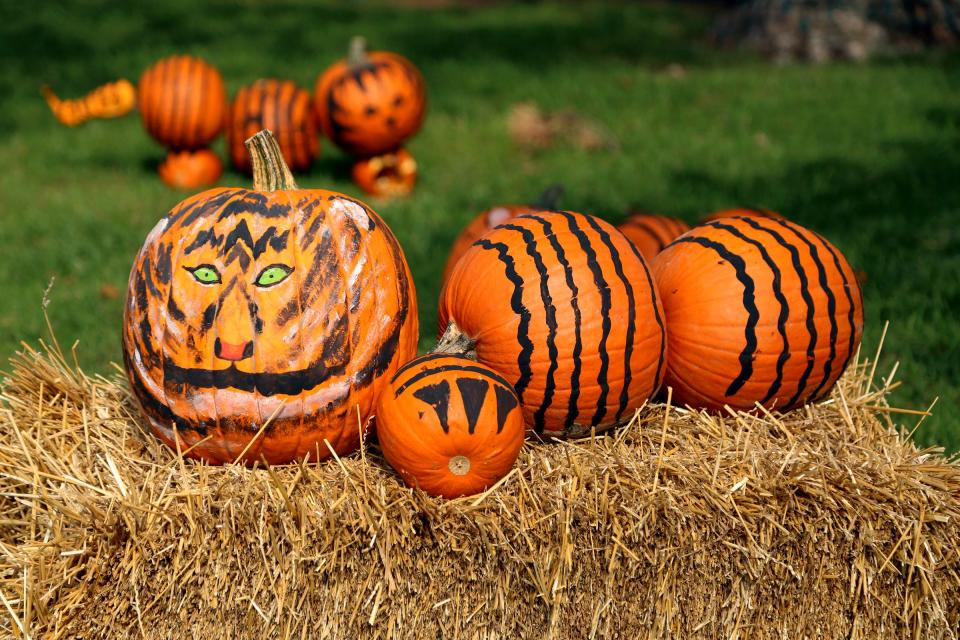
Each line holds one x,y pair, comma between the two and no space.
274,274
205,274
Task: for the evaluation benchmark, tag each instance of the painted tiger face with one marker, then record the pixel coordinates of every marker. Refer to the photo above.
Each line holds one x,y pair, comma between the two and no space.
245,306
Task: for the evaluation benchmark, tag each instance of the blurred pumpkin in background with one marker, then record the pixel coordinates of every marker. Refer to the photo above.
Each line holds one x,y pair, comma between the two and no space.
190,170
388,175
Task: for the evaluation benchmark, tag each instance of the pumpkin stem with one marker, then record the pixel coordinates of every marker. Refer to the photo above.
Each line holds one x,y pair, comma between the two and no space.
270,170
550,197
357,55
455,341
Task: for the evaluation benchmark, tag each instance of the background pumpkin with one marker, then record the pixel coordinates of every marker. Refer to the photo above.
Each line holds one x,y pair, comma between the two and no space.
450,426
487,220
743,212
758,310
182,101
278,303
190,170
563,306
390,174
370,102
284,109
651,232
111,100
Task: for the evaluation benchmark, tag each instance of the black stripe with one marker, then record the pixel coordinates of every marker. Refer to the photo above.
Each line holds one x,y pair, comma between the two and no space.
201,115
473,392
850,310
437,396
749,305
831,304
631,316
516,303
551,319
778,294
572,410
651,285
807,298
416,361
506,402
420,375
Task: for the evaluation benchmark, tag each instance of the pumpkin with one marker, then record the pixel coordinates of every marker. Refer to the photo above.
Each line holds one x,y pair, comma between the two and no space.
182,102
487,220
370,102
283,108
743,212
190,170
111,100
651,232
262,324
448,425
759,310
391,174
562,305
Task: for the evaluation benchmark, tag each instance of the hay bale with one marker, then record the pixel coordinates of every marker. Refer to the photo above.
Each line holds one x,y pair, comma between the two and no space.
825,523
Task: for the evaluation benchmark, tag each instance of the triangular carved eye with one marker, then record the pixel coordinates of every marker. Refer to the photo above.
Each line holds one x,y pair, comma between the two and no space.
473,392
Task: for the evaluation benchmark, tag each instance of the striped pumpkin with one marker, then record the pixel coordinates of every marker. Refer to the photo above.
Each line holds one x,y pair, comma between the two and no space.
651,232
182,101
448,425
111,100
190,170
285,110
743,212
563,306
370,102
759,310
261,323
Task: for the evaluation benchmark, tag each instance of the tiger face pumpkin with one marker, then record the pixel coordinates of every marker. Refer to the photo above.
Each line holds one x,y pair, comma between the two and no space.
370,102
287,308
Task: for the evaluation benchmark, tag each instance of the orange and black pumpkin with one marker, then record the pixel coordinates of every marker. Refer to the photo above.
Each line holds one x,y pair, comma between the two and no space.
487,220
261,323
450,426
743,212
111,100
388,175
651,232
190,170
562,305
182,102
370,102
281,107
758,310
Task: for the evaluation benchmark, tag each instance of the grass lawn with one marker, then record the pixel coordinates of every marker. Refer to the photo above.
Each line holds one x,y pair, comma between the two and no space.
867,155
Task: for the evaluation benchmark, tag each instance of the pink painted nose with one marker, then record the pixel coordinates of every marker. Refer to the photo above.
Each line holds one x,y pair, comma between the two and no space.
228,351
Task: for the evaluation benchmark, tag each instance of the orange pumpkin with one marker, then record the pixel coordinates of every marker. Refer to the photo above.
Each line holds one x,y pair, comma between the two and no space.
283,108
111,100
370,102
450,426
487,220
182,101
563,306
651,232
743,212
261,323
190,170
389,175
758,310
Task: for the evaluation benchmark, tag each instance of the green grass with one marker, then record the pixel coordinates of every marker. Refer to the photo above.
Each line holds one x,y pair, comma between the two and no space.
867,155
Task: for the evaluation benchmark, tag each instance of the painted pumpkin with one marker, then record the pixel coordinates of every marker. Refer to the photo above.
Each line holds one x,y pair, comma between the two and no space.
389,175
261,323
651,232
450,426
487,220
563,306
182,101
370,102
111,100
281,107
743,212
190,170
758,310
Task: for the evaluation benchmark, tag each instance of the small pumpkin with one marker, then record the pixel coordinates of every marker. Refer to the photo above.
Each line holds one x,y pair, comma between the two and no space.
388,175
487,220
111,100
190,170
262,324
450,426
743,212
182,102
759,310
563,306
651,232
281,107
370,102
